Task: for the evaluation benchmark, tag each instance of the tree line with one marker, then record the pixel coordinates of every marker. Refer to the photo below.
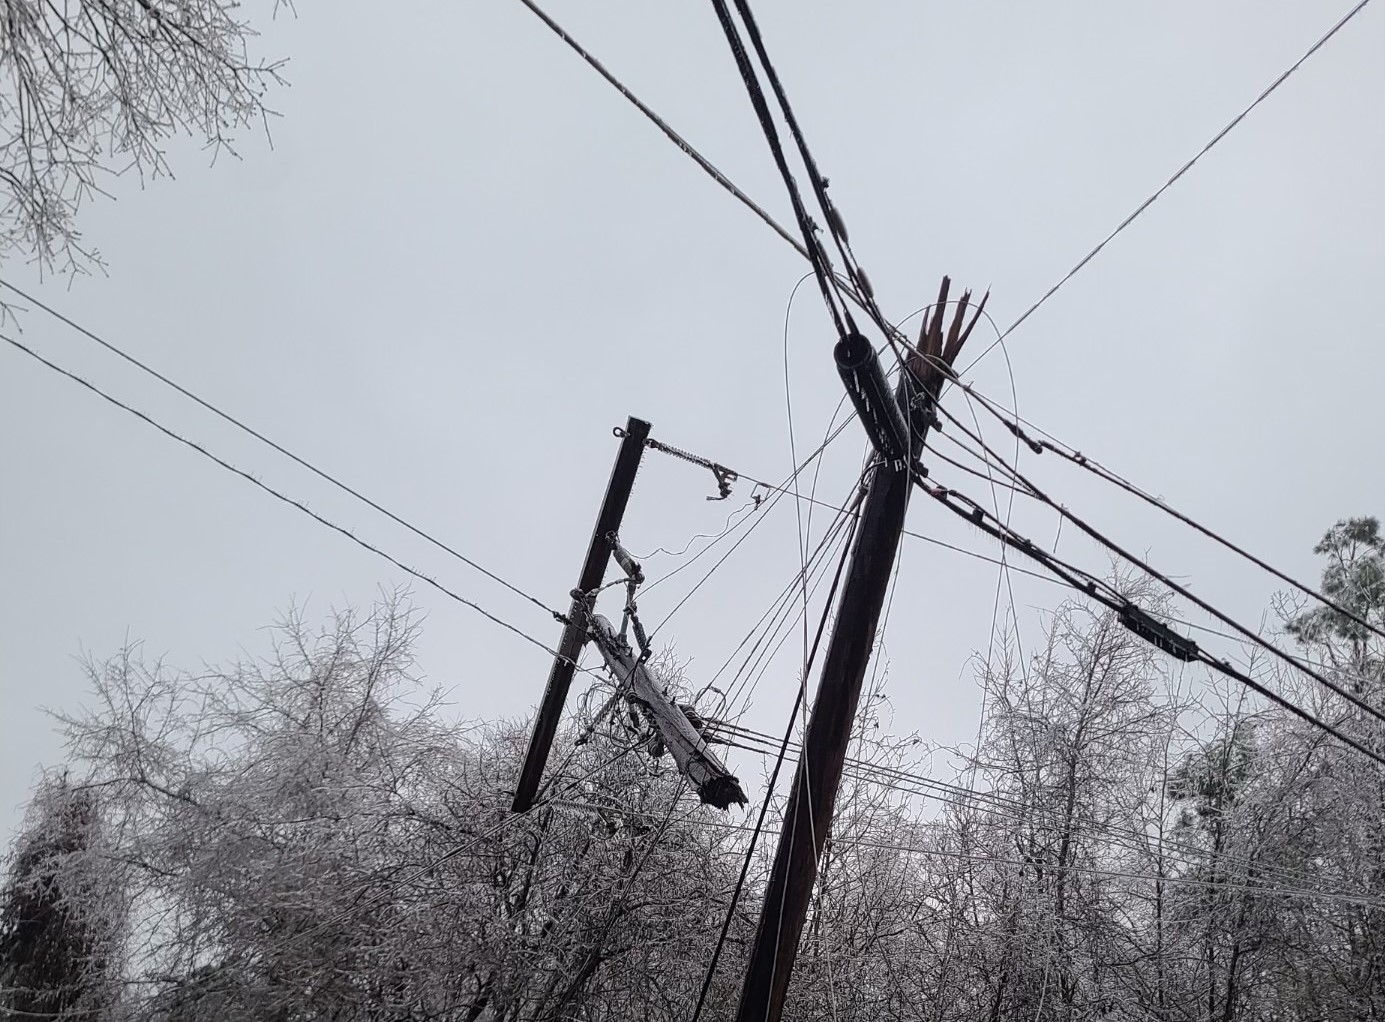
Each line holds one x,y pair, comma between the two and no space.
315,836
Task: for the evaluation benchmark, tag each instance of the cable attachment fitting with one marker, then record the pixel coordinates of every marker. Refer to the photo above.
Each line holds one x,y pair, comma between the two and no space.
634,578
627,562
724,476
1158,634
873,398
1034,445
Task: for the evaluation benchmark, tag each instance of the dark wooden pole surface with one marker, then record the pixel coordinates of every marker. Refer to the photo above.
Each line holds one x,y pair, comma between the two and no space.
814,793
608,522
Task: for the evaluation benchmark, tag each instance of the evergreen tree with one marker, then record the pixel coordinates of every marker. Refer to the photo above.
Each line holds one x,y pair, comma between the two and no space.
52,951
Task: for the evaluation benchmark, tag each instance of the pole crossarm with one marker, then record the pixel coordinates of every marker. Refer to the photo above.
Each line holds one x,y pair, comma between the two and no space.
713,782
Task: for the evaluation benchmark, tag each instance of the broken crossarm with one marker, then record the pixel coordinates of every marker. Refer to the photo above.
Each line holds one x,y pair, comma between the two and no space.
715,784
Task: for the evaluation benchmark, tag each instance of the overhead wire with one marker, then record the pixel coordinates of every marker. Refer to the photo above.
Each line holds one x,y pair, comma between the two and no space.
1093,587
774,777
1110,873
225,416
1096,468
836,539
958,796
835,225
771,626
277,495
677,139
1134,214
715,537
817,256
805,772
1167,581
779,490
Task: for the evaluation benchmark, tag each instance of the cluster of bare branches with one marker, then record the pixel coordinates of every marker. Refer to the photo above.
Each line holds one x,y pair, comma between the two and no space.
91,89
314,836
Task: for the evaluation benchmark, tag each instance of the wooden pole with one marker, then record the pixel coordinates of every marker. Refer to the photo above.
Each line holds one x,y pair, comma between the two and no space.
608,522
897,424
814,793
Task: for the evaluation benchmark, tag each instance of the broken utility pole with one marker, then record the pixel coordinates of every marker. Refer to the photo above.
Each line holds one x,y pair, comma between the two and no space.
575,630
897,424
672,729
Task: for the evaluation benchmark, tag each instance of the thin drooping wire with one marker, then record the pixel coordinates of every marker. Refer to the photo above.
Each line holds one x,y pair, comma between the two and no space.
793,711
262,438
793,460
770,625
1341,23
773,779
1004,574
1113,547
784,617
802,697
715,537
779,491
1069,453
277,495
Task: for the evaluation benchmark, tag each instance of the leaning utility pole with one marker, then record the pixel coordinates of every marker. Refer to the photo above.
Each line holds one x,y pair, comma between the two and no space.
672,730
897,423
575,628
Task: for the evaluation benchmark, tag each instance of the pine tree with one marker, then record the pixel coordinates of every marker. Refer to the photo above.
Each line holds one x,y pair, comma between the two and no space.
51,953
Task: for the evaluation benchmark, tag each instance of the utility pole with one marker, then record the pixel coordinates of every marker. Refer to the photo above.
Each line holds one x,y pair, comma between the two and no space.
897,423
575,629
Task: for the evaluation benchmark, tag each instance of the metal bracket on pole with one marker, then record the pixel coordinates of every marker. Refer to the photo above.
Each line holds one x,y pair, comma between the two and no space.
575,631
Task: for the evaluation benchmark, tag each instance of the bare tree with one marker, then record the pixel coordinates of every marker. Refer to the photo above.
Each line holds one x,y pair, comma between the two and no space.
90,89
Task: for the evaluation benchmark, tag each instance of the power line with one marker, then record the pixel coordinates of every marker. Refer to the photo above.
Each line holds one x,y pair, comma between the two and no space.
782,489
835,225
1183,591
943,853
774,774
902,781
673,136
250,431
766,646
1135,618
1341,23
1069,453
783,615
276,494
817,256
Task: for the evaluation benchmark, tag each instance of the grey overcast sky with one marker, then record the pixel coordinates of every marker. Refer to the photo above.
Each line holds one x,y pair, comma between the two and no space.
466,258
